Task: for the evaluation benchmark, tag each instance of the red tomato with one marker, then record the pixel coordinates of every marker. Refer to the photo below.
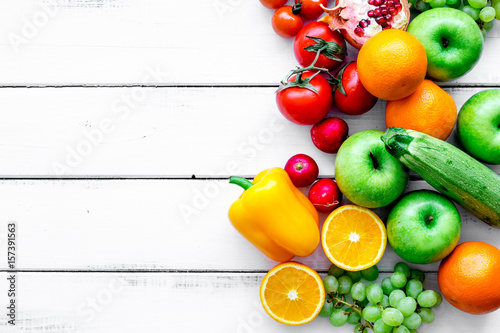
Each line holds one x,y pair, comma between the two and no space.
303,106
285,23
311,9
320,30
357,100
273,4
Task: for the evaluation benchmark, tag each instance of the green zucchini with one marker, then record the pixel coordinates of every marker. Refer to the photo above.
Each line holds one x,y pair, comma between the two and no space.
449,170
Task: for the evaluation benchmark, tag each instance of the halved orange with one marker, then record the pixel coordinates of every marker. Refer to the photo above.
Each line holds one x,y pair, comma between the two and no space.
353,237
292,293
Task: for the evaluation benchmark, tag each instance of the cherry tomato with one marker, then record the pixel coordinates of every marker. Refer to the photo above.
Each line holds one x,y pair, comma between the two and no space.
273,4
357,100
285,23
303,106
323,31
311,8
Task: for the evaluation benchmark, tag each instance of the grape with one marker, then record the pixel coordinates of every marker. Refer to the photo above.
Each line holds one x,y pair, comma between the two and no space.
392,317
385,301
374,293
327,309
487,14
335,271
401,329
381,327
414,288
387,286
407,306
413,321
357,329
364,303
455,5
413,331
427,1
484,33
427,315
345,284
487,26
353,318
338,318
472,12
395,297
417,274
402,267
497,10
478,4
331,284
358,291
370,274
421,6
355,276
372,313
398,279
439,299
452,2
437,3
427,298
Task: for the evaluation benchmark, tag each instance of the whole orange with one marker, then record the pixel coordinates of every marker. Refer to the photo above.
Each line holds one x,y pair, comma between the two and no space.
469,277
392,64
429,109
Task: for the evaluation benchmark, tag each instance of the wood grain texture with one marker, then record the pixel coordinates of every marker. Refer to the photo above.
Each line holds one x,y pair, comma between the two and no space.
197,42
68,302
168,225
159,132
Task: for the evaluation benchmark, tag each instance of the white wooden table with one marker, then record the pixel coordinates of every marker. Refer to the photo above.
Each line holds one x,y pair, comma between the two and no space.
121,121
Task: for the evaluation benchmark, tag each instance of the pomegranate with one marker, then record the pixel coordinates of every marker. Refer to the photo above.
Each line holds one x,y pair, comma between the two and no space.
358,20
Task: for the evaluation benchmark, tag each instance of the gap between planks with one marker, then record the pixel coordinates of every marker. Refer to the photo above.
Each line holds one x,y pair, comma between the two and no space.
210,86
166,271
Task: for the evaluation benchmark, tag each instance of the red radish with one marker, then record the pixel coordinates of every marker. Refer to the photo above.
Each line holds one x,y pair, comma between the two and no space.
325,195
329,134
302,169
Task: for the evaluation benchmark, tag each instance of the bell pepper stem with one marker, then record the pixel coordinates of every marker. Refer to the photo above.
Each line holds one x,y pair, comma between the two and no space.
240,181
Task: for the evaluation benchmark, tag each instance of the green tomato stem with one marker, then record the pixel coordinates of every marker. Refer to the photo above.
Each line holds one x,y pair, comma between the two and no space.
311,67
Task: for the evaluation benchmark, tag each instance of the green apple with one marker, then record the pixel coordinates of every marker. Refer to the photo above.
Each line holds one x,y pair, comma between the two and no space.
478,126
366,173
423,227
452,40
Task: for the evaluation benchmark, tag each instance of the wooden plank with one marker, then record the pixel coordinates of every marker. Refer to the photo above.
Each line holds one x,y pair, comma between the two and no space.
162,132
165,225
133,302
114,42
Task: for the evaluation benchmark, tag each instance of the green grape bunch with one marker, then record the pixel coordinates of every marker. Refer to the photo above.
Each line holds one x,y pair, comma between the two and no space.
398,305
482,11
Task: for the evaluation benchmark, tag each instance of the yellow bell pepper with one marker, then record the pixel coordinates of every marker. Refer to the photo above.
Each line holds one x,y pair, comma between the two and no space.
275,216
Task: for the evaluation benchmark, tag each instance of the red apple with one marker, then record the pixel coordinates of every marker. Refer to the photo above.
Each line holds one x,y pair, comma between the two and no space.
329,134
302,169
325,195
